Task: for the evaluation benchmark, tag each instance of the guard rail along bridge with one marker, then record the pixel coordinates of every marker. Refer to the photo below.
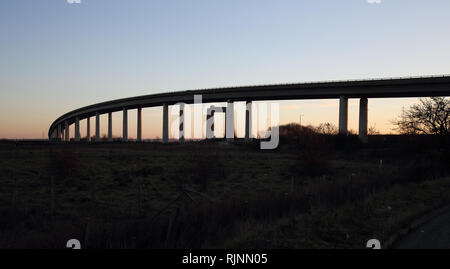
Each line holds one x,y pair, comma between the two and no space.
342,90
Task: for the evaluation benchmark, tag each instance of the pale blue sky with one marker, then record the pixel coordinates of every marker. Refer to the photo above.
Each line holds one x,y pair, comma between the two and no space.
55,56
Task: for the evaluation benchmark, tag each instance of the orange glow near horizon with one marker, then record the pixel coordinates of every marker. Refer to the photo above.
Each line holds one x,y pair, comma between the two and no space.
314,112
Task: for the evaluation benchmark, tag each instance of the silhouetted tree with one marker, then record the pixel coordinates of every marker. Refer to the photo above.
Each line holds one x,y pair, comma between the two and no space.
327,129
373,130
430,116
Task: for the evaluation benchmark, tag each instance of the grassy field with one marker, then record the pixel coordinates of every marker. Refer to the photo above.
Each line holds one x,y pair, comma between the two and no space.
314,191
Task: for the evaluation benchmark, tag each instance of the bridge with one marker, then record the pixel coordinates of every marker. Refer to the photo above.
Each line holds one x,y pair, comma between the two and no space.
342,90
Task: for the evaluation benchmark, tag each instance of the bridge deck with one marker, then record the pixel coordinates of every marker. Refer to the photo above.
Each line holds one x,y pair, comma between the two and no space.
375,88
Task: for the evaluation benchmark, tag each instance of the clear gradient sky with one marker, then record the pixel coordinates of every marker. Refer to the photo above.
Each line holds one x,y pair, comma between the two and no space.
56,56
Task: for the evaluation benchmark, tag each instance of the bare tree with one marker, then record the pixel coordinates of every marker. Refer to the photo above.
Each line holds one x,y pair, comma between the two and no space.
373,130
327,129
430,116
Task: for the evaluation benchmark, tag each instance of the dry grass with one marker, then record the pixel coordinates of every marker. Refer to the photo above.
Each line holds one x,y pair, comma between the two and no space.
314,191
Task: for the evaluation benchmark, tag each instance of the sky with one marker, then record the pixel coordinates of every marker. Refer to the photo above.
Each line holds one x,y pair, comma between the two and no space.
57,56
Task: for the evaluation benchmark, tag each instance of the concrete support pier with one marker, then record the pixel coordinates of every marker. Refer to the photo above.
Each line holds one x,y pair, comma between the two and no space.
88,129
363,102
165,128
77,129
110,138
97,127
125,125
59,132
66,131
210,120
229,121
210,123
343,115
181,138
248,120
139,124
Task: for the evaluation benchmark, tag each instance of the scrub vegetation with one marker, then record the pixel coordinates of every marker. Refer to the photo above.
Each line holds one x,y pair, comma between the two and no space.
315,190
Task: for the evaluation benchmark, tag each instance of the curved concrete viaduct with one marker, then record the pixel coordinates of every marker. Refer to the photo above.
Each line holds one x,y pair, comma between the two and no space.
342,90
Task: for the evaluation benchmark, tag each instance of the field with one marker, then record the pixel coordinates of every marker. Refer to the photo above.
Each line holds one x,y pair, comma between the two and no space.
314,191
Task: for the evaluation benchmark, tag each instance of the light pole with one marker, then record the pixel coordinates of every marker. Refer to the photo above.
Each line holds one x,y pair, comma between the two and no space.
300,116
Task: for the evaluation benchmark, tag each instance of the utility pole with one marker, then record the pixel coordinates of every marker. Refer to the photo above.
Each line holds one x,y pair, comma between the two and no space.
300,116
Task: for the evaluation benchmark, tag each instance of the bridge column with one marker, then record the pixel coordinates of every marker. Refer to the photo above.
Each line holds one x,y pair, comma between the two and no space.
66,131
97,127
139,125
181,138
229,121
88,129
248,120
165,129
58,134
210,123
77,129
343,115
125,125
363,102
110,138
